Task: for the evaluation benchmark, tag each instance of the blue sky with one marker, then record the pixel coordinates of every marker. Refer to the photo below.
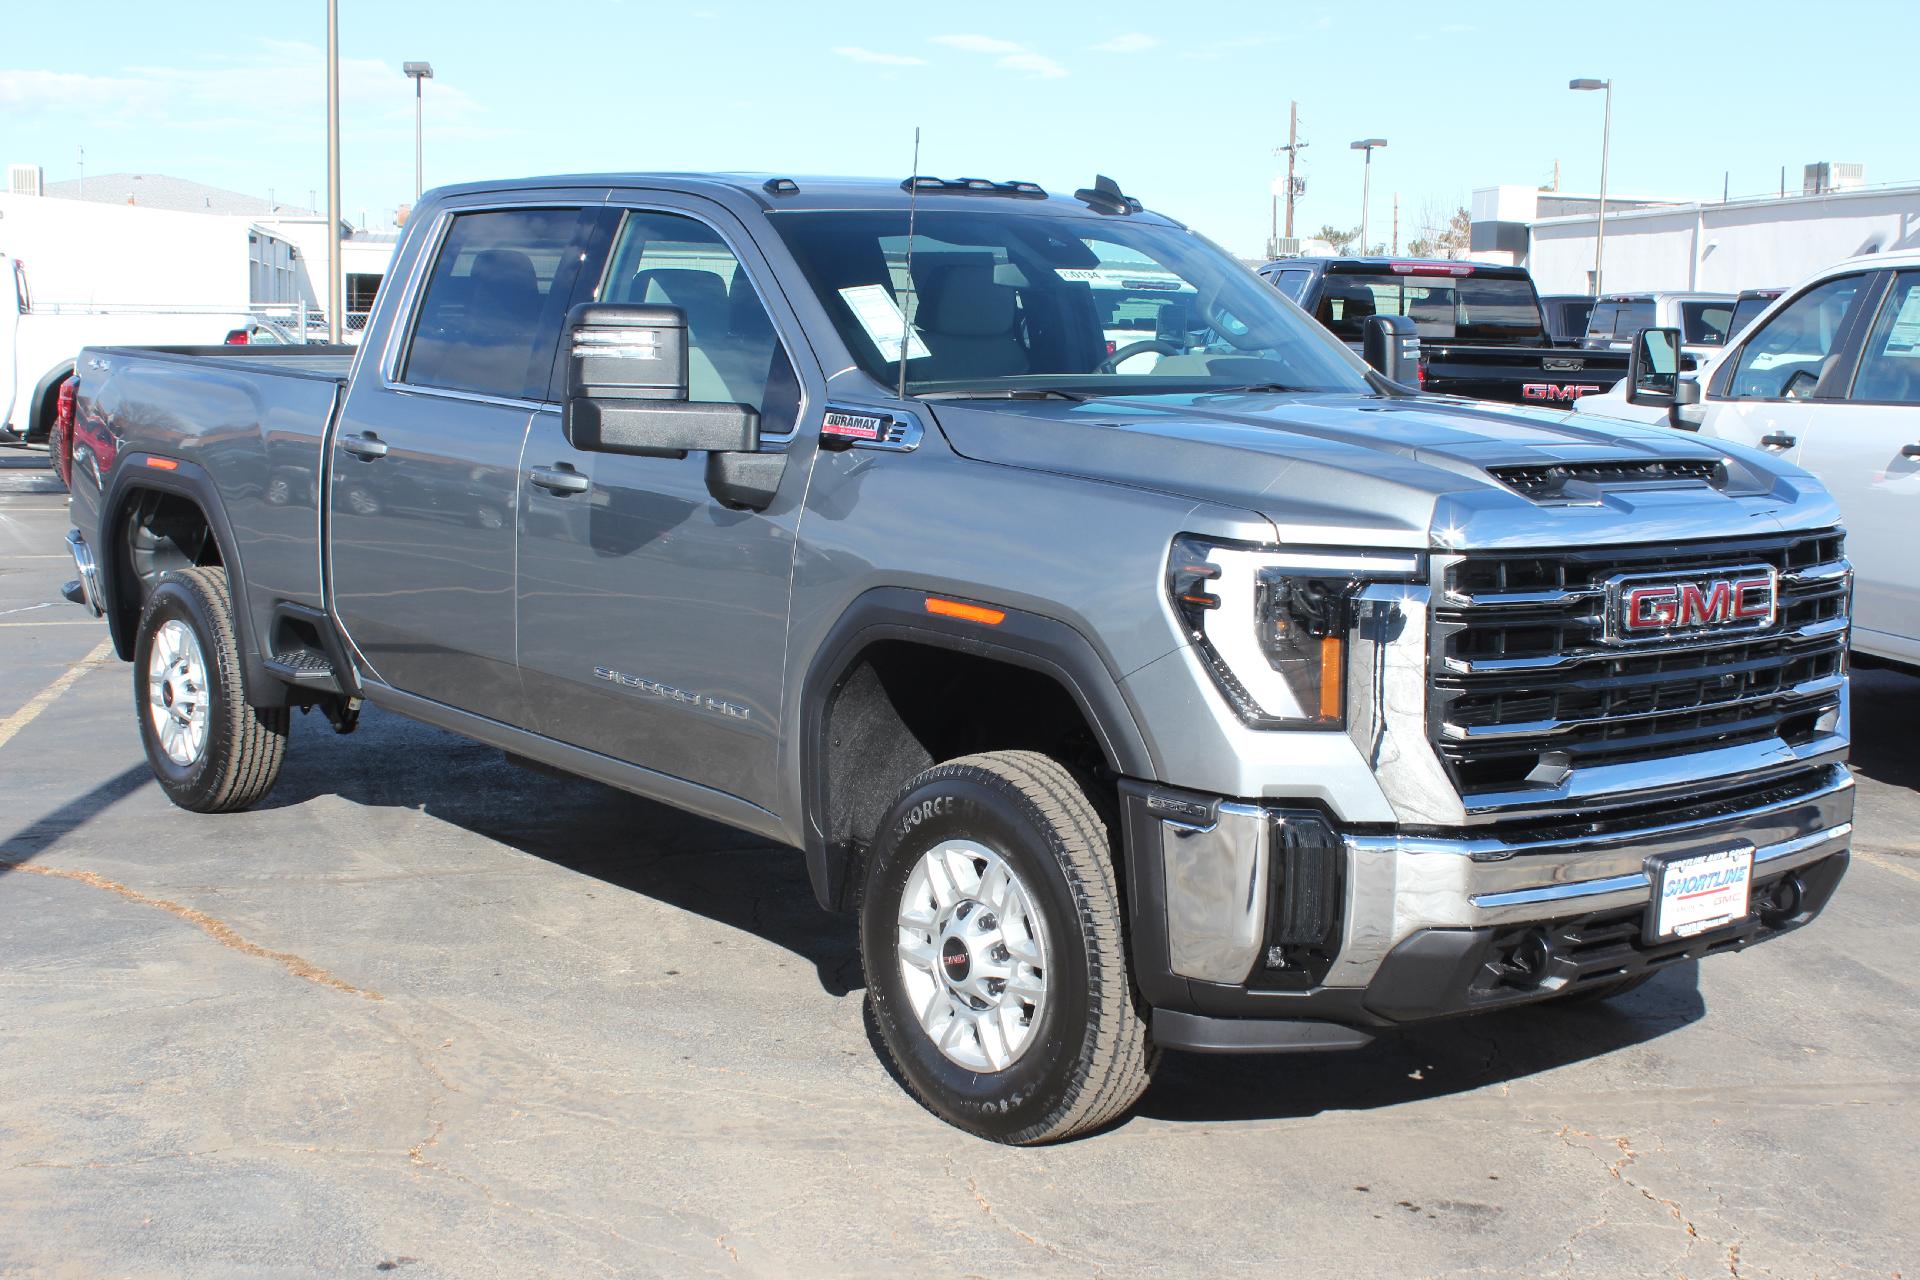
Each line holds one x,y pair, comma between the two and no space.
1181,103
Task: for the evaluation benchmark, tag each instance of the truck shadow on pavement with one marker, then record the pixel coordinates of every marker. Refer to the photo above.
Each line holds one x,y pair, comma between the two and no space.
1419,1063
1886,719
729,876
738,880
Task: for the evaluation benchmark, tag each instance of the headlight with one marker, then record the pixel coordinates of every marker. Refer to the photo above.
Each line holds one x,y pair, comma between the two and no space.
1272,623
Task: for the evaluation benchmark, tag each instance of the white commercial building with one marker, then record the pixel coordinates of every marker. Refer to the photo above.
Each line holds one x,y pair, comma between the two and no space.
1718,247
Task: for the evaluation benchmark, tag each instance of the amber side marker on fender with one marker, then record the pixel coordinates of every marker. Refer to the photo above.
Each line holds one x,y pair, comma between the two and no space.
163,464
970,612
1332,694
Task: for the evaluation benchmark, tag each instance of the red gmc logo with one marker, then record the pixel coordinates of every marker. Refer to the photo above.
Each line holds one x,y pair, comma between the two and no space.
1644,607
1554,391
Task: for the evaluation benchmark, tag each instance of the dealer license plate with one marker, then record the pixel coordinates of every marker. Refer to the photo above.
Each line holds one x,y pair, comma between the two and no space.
1694,894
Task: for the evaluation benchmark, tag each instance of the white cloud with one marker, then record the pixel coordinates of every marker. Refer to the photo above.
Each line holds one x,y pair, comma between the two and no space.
274,90
1037,65
1007,55
980,44
857,54
1132,42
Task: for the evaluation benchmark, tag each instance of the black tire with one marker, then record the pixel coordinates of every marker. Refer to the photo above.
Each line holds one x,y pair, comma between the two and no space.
245,745
1088,1059
1599,991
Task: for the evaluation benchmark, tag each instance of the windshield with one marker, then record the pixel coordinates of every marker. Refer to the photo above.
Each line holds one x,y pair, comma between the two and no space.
1705,323
1467,308
1007,301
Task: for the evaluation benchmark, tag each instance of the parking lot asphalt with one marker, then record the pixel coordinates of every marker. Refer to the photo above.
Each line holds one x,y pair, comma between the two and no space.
423,1012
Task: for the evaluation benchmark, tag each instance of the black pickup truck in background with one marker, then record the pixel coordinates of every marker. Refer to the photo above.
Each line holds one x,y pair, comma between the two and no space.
1482,331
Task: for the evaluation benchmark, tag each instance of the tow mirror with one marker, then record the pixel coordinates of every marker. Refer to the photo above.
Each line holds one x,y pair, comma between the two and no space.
1391,346
627,392
1653,371
627,387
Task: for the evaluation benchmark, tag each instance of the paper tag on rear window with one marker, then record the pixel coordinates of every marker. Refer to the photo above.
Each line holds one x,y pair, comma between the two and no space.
880,316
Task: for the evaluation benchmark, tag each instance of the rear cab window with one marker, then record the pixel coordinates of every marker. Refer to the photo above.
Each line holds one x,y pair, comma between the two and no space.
1620,319
1455,304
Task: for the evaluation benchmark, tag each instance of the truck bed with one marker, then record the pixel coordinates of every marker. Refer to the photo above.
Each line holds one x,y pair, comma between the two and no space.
247,422
1520,374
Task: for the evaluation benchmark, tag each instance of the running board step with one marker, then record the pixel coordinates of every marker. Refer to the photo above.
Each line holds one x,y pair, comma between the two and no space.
307,668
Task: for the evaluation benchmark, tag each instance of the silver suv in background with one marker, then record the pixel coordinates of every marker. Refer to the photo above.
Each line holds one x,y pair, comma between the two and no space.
1704,319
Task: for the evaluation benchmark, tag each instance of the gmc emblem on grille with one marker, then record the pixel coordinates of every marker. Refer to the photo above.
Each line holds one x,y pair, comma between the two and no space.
1646,606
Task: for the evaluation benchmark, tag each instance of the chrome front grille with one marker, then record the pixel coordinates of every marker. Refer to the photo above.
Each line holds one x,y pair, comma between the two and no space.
1526,688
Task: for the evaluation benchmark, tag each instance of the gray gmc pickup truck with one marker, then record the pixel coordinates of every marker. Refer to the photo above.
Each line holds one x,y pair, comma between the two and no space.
1244,699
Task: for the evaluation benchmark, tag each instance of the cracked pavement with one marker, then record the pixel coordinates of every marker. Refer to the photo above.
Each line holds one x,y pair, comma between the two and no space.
431,1015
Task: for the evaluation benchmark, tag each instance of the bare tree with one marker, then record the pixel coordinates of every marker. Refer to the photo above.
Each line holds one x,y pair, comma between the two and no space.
1442,234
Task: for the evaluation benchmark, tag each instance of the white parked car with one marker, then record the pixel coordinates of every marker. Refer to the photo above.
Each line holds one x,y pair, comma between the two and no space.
1828,377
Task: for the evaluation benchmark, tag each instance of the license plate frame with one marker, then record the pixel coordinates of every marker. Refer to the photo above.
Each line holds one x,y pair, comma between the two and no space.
1698,891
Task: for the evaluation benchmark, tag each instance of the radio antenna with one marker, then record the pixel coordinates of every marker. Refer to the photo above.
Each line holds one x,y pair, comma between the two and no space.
913,292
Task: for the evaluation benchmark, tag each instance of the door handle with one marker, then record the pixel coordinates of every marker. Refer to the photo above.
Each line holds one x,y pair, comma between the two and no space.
560,480
366,446
1910,450
1778,440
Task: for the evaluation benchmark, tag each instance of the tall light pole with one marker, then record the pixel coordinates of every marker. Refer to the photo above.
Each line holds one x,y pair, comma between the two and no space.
333,171
1366,183
1606,132
418,72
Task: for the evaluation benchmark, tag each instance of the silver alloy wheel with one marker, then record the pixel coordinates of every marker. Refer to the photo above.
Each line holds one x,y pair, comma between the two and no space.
177,692
973,955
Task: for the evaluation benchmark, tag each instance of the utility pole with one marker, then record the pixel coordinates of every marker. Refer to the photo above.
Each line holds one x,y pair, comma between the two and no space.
1396,224
1293,149
1293,186
333,171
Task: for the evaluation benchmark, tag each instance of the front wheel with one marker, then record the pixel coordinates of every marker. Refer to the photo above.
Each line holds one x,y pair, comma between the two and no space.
990,932
209,750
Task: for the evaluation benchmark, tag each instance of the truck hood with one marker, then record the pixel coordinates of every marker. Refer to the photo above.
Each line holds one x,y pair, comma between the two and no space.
1417,471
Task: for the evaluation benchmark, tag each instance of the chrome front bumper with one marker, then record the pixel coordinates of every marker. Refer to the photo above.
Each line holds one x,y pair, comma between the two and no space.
1217,869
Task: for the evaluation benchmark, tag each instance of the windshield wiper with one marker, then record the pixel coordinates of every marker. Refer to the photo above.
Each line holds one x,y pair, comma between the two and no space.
1001,393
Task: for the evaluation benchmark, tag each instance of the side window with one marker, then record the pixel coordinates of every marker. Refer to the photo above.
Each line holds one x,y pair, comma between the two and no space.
1705,323
1292,283
489,319
1890,368
733,356
1786,359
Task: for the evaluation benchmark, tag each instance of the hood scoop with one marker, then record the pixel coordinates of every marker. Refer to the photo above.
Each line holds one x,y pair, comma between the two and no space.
1583,481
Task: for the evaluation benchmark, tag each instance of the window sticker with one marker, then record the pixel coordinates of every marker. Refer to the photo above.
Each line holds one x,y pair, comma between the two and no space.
880,316
1903,340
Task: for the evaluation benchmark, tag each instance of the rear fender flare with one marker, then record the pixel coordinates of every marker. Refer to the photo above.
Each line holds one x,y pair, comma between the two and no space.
132,476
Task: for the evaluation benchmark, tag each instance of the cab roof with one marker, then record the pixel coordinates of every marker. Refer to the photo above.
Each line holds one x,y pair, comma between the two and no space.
779,191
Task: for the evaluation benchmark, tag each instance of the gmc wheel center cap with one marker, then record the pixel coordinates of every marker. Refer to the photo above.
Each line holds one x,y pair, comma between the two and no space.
956,962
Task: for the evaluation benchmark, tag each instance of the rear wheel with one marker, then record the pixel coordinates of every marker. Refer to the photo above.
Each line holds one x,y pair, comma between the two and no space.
209,750
995,965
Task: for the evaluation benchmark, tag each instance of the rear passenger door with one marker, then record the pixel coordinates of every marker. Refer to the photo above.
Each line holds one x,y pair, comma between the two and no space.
424,471
652,619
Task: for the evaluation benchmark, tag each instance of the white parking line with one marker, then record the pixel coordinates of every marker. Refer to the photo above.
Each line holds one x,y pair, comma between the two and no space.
25,608
61,683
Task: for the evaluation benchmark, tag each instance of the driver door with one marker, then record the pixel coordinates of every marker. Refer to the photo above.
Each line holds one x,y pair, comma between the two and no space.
652,619
1764,394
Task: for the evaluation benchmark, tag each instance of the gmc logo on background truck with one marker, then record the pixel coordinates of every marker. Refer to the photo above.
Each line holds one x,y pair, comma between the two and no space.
1555,391
1644,607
